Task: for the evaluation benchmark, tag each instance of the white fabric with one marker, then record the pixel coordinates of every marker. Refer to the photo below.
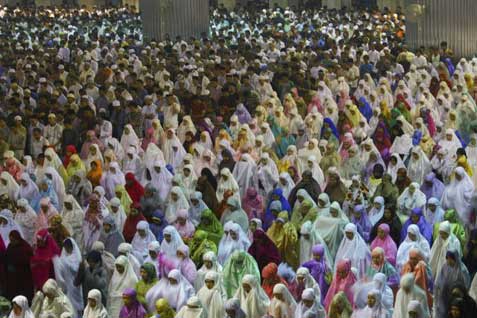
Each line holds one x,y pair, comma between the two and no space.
98,311
224,185
245,173
119,282
229,245
11,187
173,206
66,269
254,303
282,308
140,244
170,248
458,195
440,248
405,247
418,169
22,302
10,225
404,297
355,250
213,299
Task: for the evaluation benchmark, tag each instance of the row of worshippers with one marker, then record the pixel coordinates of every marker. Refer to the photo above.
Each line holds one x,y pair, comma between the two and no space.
223,205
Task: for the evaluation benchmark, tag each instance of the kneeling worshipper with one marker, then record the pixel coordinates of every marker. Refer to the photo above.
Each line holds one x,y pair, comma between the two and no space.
408,292
379,264
374,307
378,282
340,307
94,307
235,240
331,228
253,300
445,241
354,248
434,213
141,240
210,264
413,239
283,304
51,300
309,306
320,269
308,239
417,218
238,265
384,241
212,295
411,198
123,277
422,272
342,282
452,272
132,308
174,288
458,195
193,309
457,228
20,308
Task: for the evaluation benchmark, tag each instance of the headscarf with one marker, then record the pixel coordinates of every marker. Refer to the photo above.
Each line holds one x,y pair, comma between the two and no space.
99,311
22,302
441,246
29,191
386,243
343,282
254,303
134,189
41,261
405,247
134,309
458,195
238,265
355,250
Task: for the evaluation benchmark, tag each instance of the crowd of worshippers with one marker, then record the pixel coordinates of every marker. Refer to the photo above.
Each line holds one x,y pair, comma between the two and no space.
287,164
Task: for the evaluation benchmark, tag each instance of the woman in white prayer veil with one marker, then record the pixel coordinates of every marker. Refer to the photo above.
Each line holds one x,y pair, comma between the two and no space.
141,240
188,177
308,239
226,182
129,138
172,240
58,184
210,265
28,188
112,178
451,143
379,283
267,134
311,149
444,242
419,165
408,293
267,174
253,299
193,309
331,228
283,305
73,216
367,148
9,186
115,146
245,173
185,126
414,239
354,248
123,277
175,154
235,240
8,224
374,307
22,309
395,163
207,160
412,197
66,268
177,201
94,153
153,154
317,173
286,183
310,305
94,308
212,295
331,109
205,141
458,195
323,91
26,217
160,178
174,288
471,151
132,162
116,211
